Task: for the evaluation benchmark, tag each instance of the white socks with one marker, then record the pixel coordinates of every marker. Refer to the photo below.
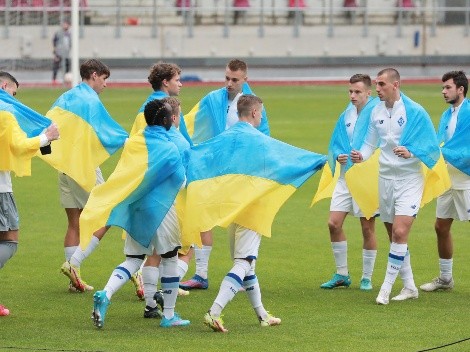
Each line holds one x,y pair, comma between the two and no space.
150,275
69,251
406,273
445,267
170,284
121,274
340,252
368,262
230,285
182,268
202,260
79,255
396,256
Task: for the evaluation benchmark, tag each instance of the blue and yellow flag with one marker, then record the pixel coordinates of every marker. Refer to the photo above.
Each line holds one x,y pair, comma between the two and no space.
20,127
208,118
88,135
140,191
140,122
243,176
456,150
419,137
340,144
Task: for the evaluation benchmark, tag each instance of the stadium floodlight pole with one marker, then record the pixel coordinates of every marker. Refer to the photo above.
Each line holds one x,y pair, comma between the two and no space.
75,43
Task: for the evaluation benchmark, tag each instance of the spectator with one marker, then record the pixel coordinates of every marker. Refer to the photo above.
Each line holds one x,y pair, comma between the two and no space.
350,10
294,7
405,7
62,45
241,6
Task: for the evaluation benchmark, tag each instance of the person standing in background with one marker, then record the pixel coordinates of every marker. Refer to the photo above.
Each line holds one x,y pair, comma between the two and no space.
62,44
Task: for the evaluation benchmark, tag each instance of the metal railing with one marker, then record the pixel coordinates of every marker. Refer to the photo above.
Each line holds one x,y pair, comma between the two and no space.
157,13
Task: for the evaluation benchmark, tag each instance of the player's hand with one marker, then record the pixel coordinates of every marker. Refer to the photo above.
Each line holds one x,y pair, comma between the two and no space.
402,152
356,156
52,132
343,158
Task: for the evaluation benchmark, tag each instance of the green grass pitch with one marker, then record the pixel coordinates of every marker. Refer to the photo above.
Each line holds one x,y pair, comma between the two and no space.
291,267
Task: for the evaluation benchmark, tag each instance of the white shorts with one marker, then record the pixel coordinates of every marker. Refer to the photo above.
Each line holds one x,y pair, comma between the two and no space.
244,243
399,197
166,239
343,201
454,204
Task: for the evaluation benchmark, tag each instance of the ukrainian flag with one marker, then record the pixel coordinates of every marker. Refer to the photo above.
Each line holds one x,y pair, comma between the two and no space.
20,127
140,191
243,176
208,117
340,144
140,122
456,150
88,135
419,137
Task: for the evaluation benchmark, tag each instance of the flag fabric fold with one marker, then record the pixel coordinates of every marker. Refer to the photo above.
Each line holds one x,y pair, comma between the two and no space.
19,125
140,191
208,117
456,151
340,144
243,176
88,135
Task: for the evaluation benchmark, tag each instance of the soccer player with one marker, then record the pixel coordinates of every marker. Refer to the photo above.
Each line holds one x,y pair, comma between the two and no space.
342,201
211,120
244,246
150,269
405,135
454,131
73,197
165,163
13,140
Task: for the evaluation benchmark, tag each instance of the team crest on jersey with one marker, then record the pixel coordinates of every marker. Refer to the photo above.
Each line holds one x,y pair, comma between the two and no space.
348,124
401,121
413,206
381,122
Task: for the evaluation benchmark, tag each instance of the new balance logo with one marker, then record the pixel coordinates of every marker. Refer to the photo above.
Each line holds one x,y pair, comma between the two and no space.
251,288
168,292
119,276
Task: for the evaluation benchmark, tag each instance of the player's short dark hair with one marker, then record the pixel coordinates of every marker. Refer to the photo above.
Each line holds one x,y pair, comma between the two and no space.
361,77
5,76
246,103
460,80
391,72
93,65
236,64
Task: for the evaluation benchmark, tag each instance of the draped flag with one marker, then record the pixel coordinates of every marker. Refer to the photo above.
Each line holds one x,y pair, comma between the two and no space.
140,122
419,137
243,176
18,125
456,150
88,135
140,191
208,117
340,144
